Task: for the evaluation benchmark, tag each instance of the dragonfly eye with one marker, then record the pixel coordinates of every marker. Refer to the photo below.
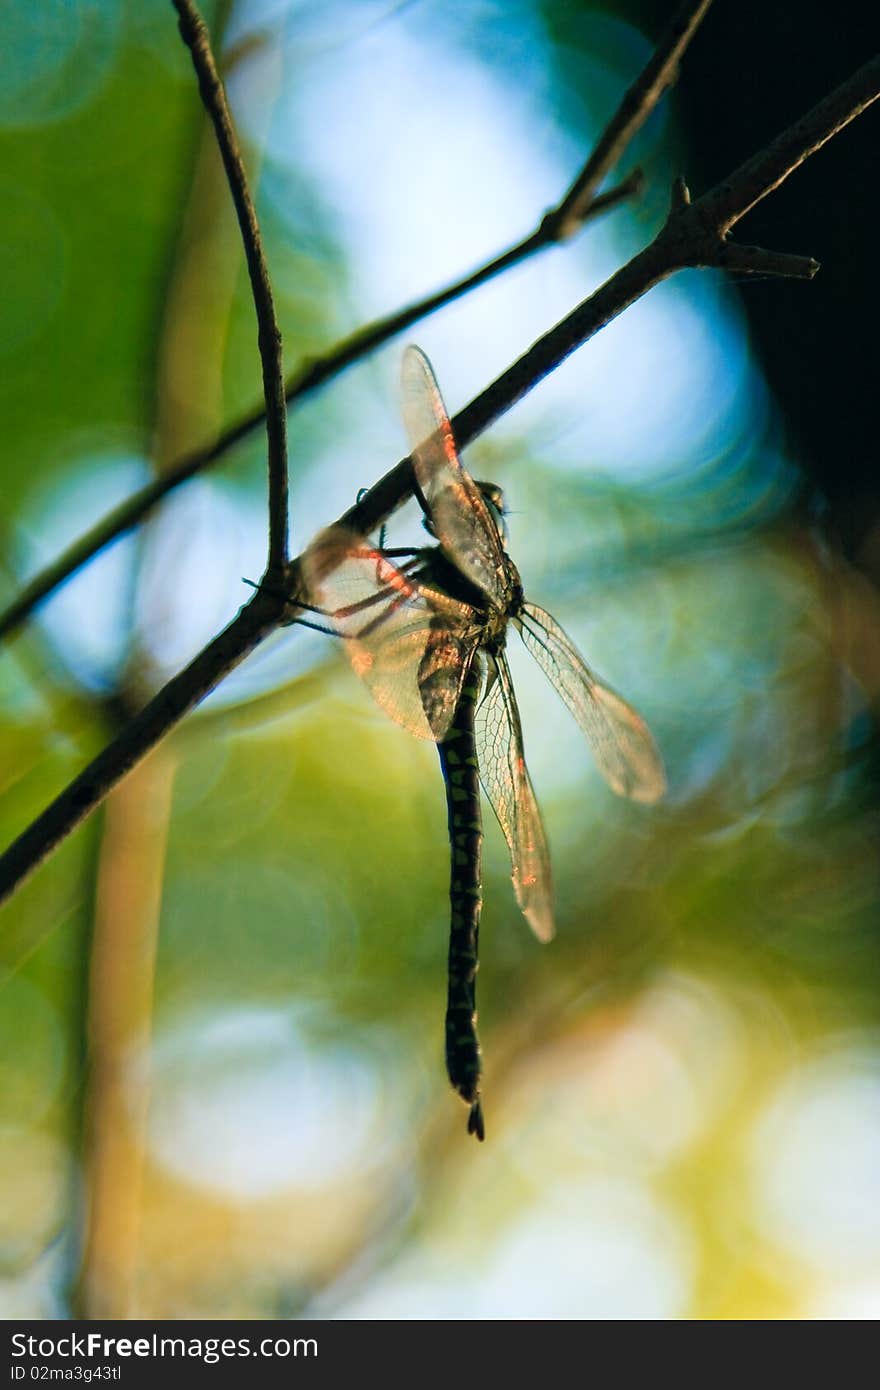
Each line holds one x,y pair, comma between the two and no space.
493,496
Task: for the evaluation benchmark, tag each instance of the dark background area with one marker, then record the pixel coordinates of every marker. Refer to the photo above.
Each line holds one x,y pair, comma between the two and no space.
751,71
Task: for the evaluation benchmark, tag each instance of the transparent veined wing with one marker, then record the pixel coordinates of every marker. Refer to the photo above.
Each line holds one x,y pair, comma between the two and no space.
411,644
462,522
506,783
621,741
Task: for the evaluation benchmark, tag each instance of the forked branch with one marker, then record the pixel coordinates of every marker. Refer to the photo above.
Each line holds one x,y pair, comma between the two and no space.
579,205
695,234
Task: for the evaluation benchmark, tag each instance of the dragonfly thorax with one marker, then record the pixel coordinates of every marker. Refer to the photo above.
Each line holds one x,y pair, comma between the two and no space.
497,614
441,572
514,598
493,638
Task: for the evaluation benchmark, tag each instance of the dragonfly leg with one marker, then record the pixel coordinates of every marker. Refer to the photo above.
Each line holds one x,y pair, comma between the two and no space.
316,627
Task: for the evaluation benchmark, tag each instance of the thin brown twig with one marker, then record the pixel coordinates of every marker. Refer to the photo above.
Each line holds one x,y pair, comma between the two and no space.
693,235
579,205
195,36
660,72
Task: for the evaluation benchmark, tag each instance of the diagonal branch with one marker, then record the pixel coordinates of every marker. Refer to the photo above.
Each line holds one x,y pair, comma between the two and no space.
694,235
256,621
195,36
578,206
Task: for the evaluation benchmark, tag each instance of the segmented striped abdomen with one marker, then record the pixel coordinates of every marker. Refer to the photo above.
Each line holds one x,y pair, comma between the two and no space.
458,759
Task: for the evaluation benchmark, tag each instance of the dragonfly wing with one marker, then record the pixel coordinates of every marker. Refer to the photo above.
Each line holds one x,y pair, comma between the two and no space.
621,741
506,783
409,643
455,506
442,672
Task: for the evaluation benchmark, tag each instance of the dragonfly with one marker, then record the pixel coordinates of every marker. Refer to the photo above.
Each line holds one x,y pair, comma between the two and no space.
426,631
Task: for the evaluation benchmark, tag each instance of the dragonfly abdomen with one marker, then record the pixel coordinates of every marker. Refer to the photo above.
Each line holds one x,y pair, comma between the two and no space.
458,759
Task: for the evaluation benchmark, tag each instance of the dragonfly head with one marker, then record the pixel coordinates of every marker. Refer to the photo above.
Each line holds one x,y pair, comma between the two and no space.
492,495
